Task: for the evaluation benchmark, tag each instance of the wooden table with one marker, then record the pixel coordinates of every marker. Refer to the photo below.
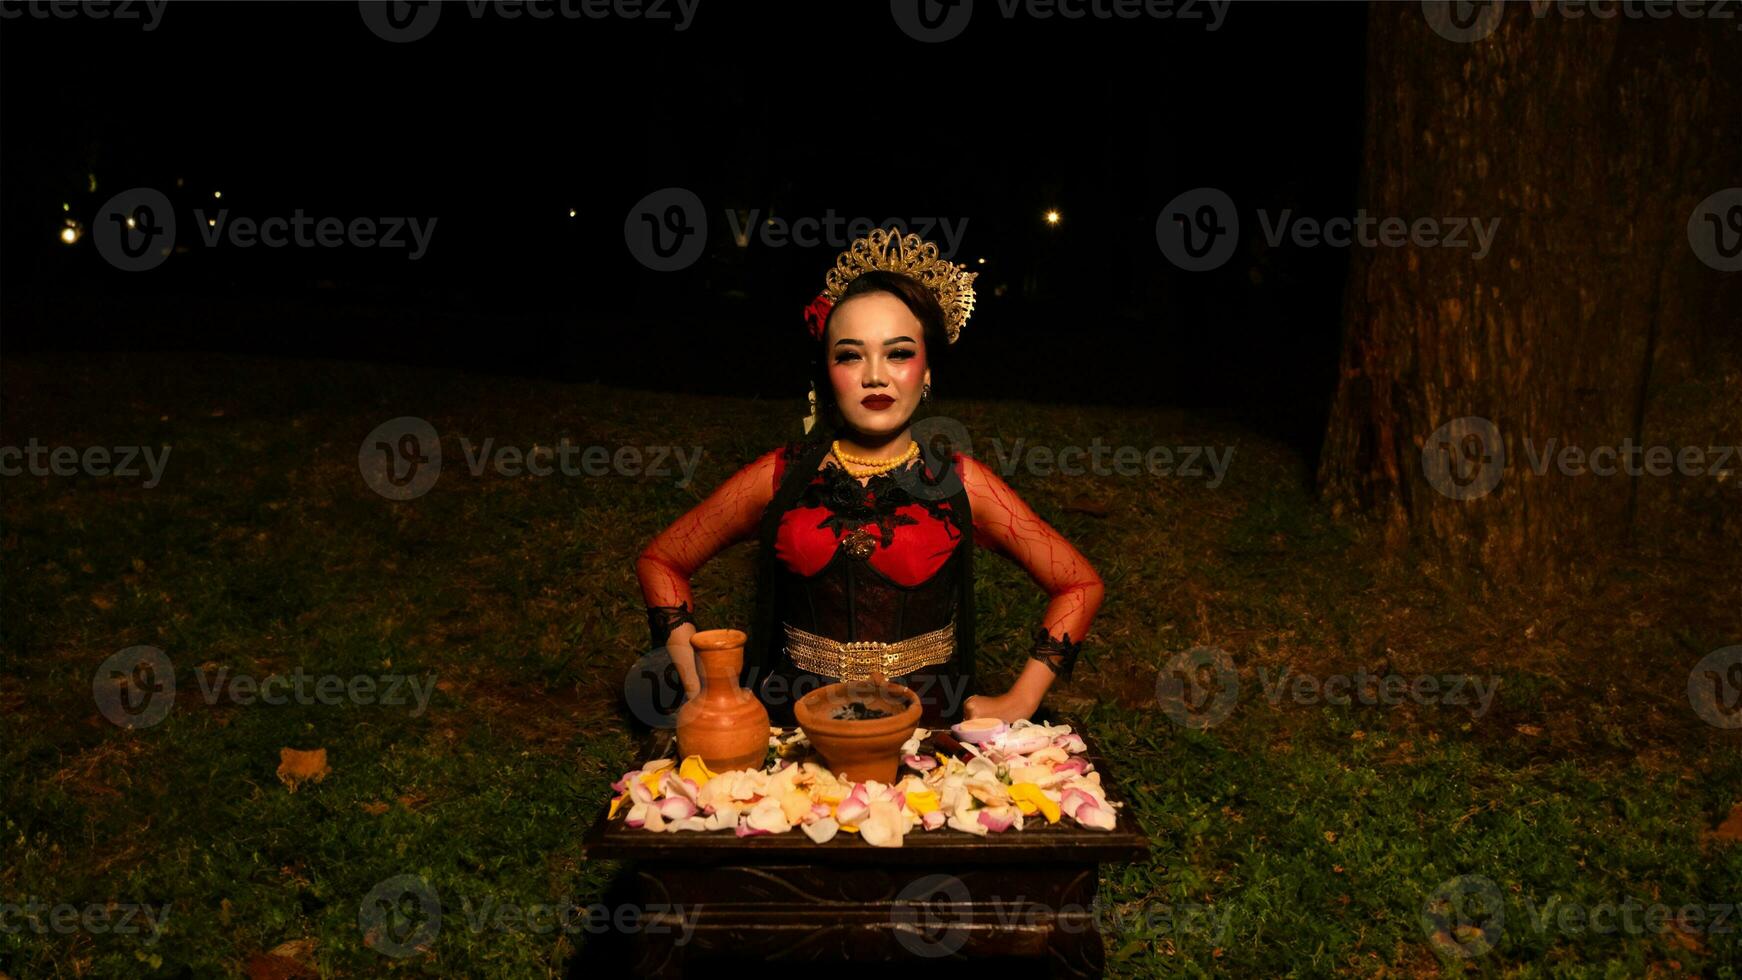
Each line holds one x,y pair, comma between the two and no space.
942,895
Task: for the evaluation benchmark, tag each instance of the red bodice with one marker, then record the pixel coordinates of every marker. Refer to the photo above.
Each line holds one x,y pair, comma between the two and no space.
919,540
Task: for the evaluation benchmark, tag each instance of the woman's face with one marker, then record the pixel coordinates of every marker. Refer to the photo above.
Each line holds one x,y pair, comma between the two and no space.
876,351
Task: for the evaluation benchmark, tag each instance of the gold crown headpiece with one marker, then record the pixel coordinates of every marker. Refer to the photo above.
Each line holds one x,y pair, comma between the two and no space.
911,256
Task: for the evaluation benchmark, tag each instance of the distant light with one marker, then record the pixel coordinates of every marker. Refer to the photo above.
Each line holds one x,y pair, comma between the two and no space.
982,261
1052,217
217,194
64,206
211,222
571,212
180,182
93,181
130,222
69,235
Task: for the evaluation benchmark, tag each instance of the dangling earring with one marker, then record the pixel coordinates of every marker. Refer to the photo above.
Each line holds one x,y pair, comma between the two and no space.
925,394
810,420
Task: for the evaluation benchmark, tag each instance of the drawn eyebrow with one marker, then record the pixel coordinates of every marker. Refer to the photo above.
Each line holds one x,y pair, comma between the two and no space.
886,343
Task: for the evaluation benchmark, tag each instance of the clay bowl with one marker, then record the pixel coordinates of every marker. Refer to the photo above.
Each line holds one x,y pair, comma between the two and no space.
864,749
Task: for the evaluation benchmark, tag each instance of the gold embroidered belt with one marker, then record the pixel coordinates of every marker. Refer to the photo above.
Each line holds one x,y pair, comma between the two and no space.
856,660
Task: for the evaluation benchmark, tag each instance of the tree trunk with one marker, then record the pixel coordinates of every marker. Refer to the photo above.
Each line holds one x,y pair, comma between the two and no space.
1597,319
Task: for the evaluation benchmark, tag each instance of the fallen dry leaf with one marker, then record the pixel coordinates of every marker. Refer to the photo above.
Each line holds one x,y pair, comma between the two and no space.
293,960
374,808
296,767
1730,831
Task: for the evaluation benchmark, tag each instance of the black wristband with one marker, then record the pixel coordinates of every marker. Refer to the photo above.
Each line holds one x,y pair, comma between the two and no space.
1060,655
661,620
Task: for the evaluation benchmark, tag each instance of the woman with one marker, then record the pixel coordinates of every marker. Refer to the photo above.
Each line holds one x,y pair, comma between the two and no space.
865,541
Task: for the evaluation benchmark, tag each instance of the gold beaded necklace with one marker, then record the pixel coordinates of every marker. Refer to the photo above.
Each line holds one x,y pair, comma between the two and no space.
872,467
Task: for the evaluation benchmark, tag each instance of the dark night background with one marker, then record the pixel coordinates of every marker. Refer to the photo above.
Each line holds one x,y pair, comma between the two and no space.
497,127
1380,520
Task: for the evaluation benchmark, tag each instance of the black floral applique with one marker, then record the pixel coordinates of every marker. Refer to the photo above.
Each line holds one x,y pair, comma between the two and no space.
852,504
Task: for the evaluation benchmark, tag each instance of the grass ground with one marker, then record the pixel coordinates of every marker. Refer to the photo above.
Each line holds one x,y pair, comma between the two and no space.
1290,838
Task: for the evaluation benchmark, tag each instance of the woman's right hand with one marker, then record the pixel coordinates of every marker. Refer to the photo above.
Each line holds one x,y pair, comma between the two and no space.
684,656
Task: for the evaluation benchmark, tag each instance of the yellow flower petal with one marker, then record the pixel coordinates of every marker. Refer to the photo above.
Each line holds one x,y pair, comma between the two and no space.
697,771
615,805
1030,798
651,781
922,803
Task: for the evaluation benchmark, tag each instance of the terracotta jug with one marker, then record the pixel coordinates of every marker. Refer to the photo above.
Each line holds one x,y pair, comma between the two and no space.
724,724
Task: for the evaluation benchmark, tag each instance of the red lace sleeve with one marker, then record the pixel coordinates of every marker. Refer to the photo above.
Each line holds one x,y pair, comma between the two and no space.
1007,525
729,515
